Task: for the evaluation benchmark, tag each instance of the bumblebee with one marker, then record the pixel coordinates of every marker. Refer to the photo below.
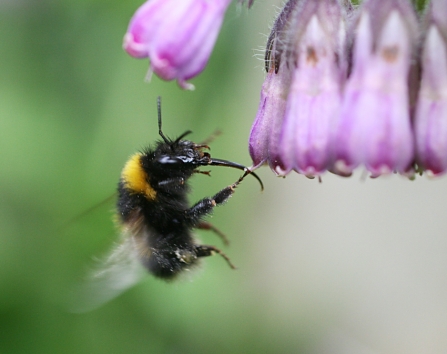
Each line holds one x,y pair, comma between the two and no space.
155,216
153,207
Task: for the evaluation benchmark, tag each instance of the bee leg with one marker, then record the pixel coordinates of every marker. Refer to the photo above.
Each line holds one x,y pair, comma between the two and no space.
205,251
206,205
222,196
204,225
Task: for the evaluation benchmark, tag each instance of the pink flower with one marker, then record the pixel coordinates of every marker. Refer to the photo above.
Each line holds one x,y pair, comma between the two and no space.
264,135
375,125
176,35
431,110
306,61
318,63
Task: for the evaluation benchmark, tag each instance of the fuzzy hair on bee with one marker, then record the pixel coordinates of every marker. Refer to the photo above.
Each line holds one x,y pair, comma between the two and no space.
155,216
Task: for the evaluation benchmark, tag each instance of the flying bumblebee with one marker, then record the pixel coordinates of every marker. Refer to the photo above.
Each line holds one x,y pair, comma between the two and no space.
155,216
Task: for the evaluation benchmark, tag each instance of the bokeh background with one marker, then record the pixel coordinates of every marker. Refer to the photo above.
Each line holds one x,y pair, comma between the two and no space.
344,266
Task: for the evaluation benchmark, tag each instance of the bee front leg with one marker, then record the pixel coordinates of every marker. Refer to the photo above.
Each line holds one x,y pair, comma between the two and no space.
206,205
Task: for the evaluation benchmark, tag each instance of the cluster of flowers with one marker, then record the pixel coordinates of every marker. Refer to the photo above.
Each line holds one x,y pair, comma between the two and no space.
346,85
349,86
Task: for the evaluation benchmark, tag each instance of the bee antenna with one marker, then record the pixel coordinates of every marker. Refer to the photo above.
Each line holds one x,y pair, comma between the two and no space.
182,136
166,140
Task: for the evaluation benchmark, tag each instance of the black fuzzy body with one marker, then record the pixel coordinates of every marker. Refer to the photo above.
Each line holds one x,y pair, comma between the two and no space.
162,222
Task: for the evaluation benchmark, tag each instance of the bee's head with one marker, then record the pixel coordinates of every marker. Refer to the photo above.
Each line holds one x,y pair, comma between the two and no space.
180,158
176,158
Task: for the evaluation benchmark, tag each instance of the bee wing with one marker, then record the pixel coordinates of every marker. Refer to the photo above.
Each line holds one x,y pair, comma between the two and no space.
112,275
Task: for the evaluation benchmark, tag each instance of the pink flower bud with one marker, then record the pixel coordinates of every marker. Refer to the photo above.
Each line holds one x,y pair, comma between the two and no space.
176,35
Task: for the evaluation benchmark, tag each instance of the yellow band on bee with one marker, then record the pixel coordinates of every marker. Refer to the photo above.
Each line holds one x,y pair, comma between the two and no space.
135,178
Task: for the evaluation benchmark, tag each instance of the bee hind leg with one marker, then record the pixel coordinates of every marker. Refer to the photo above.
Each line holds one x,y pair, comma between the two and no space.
204,225
205,251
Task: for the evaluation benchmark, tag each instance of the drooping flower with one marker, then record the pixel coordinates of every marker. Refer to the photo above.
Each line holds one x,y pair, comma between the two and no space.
375,126
176,35
264,135
431,110
306,64
318,61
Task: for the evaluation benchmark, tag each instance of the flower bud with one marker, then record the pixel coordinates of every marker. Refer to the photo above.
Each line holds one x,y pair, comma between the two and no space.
176,35
431,109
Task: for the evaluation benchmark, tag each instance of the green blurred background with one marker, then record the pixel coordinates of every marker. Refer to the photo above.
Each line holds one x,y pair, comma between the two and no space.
346,266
